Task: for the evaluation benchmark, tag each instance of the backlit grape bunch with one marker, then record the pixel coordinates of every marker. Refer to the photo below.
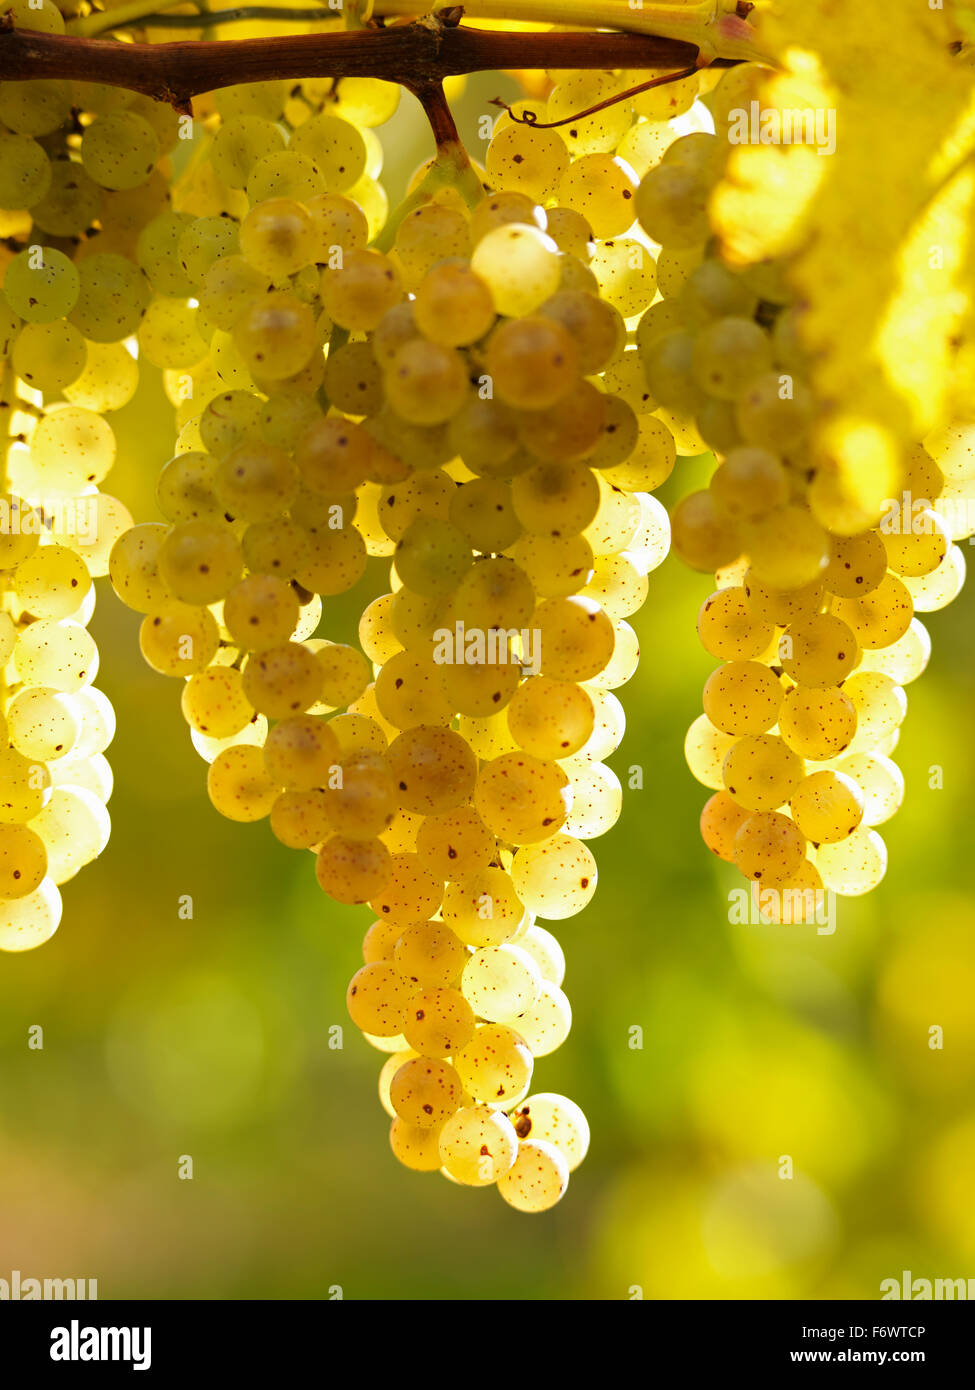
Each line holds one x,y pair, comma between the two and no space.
816,587
59,376
453,402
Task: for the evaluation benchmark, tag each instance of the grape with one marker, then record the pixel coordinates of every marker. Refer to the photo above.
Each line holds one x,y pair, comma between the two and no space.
358,294
30,921
881,782
43,724
351,871
23,861
199,561
728,354
671,203
434,769
555,566
555,879
111,299
626,273
377,997
455,843
496,1065
704,536
602,189
229,287
214,704
54,653
880,618
550,719
426,383
409,691
818,723
477,1145
819,651
857,564
827,807
119,150
429,953
527,160
545,951
501,982
554,1120
481,906
597,801
453,306
345,674
750,483
787,547
721,819
595,326
72,447
520,798
483,510
761,771
520,266
880,705
49,356
277,238
275,335
425,1092
773,415
855,866
537,1179
939,588
74,827
284,174
180,640
743,697
282,680
411,893
432,557
905,659
438,1022
705,748
728,628
336,148
575,636
26,176
41,284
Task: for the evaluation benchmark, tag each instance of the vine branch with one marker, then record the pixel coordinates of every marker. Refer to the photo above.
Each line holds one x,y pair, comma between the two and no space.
410,54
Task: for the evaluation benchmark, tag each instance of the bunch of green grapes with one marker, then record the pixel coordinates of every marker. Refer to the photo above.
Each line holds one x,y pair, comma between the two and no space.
813,615
78,178
463,405
56,532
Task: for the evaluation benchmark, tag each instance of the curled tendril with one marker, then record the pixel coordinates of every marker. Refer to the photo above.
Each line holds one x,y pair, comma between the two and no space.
531,117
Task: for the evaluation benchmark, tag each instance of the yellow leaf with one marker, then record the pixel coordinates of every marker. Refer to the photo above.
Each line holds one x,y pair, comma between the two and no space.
873,202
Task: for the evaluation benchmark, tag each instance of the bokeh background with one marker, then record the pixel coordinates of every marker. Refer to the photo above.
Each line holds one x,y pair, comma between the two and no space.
210,1037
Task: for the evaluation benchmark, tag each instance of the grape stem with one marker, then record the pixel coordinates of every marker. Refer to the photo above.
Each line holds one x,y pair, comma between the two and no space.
529,117
718,28
417,53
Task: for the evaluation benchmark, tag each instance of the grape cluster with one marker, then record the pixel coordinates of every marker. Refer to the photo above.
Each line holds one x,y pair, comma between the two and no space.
59,377
813,614
456,404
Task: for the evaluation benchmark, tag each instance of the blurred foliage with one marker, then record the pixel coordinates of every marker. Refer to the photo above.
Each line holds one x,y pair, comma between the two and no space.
210,1037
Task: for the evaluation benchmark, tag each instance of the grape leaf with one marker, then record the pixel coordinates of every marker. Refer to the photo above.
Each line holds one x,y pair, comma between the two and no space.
875,209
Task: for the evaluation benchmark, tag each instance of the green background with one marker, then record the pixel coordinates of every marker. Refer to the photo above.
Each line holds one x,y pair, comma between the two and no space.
210,1037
